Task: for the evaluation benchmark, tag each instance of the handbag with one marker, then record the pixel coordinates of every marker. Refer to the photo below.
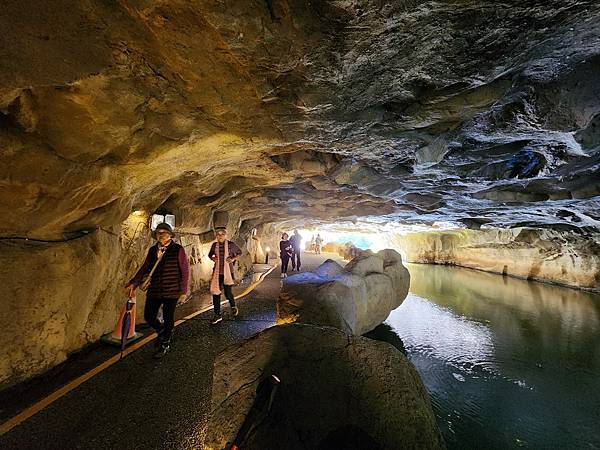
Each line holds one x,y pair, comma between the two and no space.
145,284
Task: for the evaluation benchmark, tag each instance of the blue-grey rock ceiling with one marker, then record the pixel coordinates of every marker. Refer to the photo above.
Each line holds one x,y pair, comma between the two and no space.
474,112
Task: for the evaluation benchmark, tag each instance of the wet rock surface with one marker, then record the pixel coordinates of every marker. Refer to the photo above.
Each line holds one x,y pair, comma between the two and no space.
336,392
355,298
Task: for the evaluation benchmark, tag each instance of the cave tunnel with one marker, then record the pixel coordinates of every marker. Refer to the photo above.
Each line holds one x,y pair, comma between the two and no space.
439,161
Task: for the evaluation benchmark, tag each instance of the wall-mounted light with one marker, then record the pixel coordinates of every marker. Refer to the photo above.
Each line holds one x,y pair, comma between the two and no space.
170,219
158,218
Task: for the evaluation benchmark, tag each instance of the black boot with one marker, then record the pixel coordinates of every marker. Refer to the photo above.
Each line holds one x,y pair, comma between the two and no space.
158,341
164,348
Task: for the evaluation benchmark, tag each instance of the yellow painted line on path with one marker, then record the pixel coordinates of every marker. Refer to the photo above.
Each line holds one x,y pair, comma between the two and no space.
37,407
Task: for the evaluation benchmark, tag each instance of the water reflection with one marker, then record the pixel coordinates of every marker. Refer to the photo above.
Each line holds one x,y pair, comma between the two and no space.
508,363
383,332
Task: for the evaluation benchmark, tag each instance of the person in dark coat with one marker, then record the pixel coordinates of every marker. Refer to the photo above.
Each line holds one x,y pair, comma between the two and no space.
296,241
168,285
223,252
285,253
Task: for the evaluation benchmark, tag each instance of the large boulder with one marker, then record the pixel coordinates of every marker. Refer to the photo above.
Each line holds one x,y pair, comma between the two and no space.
365,264
336,392
329,269
355,298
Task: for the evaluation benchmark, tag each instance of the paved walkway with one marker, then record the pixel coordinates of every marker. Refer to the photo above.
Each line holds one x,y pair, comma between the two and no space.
143,403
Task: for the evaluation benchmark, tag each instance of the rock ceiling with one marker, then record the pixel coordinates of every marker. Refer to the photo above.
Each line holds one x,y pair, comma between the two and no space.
480,112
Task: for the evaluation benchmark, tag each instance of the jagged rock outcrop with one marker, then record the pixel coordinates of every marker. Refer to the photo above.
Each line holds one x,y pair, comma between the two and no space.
355,298
350,390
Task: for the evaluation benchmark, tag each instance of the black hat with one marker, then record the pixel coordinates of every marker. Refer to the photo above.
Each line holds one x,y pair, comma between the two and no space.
164,226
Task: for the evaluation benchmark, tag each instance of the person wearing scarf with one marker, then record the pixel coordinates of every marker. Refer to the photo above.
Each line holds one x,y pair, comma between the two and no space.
223,252
168,284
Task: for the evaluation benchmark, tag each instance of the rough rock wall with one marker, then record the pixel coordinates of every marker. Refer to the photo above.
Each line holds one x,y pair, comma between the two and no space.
68,296
134,105
322,109
545,255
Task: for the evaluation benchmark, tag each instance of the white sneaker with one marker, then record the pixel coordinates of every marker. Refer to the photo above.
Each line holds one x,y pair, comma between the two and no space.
283,275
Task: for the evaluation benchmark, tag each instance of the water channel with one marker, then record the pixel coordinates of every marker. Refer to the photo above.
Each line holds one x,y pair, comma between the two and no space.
508,363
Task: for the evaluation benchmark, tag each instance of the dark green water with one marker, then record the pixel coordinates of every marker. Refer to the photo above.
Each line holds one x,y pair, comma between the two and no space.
508,363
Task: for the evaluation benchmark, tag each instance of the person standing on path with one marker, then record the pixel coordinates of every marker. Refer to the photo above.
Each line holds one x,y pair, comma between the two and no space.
168,284
296,241
285,253
318,243
223,252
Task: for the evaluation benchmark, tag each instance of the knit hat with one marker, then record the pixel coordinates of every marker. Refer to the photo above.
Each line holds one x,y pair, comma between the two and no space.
164,226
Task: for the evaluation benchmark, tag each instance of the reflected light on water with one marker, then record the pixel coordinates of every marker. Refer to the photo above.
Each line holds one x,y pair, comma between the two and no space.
465,344
508,363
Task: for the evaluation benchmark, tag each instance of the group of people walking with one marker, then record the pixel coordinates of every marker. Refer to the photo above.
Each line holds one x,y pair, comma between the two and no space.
290,249
165,276
316,244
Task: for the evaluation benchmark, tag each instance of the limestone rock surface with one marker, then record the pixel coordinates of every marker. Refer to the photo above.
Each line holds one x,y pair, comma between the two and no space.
353,391
355,298
271,109
567,258
329,268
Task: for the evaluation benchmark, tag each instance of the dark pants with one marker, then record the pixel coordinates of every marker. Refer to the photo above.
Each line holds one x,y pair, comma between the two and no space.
151,311
296,263
228,295
285,259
